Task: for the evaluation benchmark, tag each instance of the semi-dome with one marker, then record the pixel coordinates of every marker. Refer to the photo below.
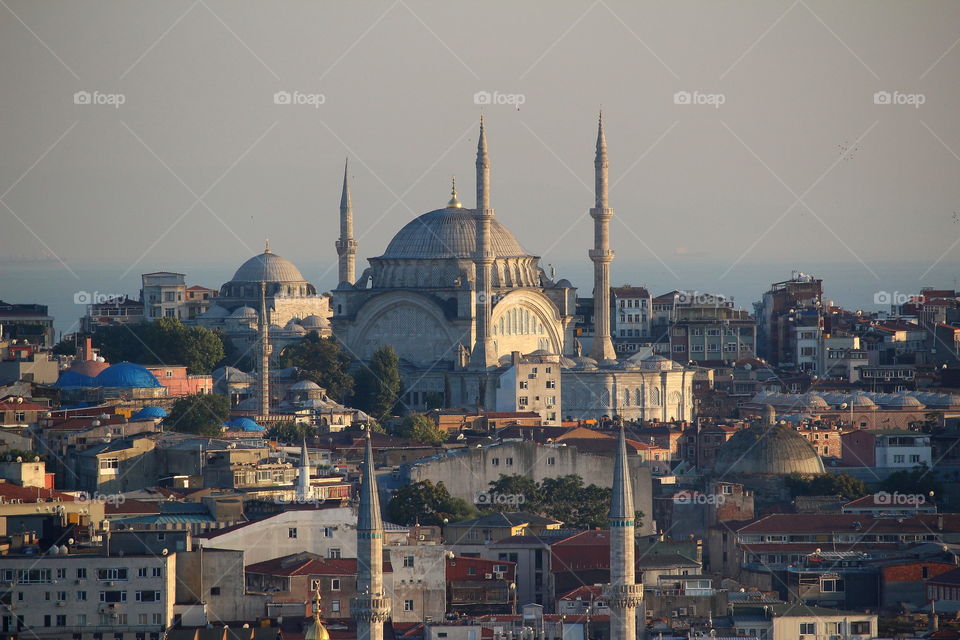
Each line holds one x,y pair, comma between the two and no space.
766,449
268,267
450,232
126,375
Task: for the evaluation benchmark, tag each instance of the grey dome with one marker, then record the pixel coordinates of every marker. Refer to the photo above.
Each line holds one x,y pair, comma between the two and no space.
215,311
767,449
906,402
305,385
244,312
268,267
314,322
450,233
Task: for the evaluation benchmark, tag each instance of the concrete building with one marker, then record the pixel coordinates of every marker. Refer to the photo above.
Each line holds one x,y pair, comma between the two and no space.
115,311
631,319
799,621
467,473
497,526
707,328
886,449
163,295
27,324
25,362
531,383
786,307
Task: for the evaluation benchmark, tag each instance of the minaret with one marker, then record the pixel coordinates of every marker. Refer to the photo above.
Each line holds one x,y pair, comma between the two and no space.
623,594
346,245
371,607
484,355
303,479
601,254
264,350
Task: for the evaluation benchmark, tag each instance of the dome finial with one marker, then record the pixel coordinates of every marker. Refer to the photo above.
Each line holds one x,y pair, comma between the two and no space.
266,245
454,202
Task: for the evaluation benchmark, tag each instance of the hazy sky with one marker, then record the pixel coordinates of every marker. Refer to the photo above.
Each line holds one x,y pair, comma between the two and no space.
797,163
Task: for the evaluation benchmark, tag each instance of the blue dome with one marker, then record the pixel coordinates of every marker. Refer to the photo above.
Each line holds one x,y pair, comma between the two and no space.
70,378
126,375
150,412
244,424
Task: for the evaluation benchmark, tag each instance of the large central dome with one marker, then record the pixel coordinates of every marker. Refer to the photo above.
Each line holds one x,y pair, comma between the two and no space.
765,449
450,232
268,267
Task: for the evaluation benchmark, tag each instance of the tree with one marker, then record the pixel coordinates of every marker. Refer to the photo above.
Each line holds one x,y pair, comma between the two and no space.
428,503
322,361
163,341
66,347
918,481
567,500
290,432
378,383
420,428
513,493
825,484
201,414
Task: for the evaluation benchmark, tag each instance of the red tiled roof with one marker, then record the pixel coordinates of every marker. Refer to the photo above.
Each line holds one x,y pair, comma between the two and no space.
11,404
458,569
310,564
836,522
10,491
585,592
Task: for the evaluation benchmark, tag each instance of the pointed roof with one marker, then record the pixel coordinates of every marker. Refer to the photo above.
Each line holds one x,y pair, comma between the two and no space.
601,139
621,504
482,143
345,204
369,517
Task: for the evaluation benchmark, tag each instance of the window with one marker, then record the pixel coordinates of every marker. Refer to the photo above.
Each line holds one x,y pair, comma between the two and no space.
61,596
860,628
112,574
495,462
214,591
328,532
524,384
35,576
148,596
157,572
46,621
61,574
915,458
81,596
408,605
334,606
142,572
679,348
142,618
551,461
113,596
831,586
408,561
509,462
808,628
292,532
899,459
551,384
523,401
335,584
81,619
334,553
157,618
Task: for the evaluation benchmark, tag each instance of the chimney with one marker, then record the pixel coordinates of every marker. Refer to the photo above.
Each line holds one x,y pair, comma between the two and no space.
515,357
88,348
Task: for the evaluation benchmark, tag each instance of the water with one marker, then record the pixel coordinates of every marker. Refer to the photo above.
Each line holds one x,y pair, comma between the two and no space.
848,284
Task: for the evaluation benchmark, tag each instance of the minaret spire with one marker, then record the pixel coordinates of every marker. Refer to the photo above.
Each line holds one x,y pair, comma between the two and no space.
601,254
623,594
371,607
346,245
303,480
484,352
265,349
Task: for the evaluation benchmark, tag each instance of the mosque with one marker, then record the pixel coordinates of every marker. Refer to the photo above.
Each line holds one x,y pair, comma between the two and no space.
455,294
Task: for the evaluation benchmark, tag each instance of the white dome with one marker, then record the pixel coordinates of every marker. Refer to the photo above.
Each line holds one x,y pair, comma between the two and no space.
244,312
268,267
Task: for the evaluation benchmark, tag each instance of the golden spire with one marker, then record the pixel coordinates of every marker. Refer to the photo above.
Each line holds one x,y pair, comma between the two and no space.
315,629
266,245
454,202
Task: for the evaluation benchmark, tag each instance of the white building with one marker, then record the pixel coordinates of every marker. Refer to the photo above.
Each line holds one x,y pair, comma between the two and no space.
163,295
531,383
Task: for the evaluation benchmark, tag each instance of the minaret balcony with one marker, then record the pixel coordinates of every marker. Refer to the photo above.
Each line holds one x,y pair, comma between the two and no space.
622,596
602,255
370,609
347,245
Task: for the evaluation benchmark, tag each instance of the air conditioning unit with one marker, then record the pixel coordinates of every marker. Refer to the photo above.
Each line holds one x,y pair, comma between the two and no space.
488,576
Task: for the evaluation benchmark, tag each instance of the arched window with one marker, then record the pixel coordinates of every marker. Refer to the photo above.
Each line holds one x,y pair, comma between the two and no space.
654,397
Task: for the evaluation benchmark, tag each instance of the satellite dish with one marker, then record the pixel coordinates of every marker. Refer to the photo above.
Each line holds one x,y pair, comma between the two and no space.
165,552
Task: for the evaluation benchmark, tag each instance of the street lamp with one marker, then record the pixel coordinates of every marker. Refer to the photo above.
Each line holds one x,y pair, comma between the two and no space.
513,598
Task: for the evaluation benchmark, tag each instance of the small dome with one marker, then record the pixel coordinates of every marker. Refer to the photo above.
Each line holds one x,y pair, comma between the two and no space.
215,311
765,449
584,364
89,368
314,322
244,424
814,401
150,412
245,312
563,283
904,402
268,267
305,385
126,375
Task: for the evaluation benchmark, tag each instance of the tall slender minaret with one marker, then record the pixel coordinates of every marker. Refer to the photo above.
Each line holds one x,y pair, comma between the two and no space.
601,254
346,245
371,607
303,479
623,594
264,349
484,354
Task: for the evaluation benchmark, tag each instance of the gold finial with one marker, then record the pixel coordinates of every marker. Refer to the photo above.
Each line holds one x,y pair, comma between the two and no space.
266,245
454,202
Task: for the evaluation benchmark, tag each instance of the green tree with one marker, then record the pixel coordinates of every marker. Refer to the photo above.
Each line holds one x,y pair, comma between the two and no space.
320,360
576,505
506,490
378,383
66,347
202,414
163,341
420,428
290,432
428,503
918,480
826,484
